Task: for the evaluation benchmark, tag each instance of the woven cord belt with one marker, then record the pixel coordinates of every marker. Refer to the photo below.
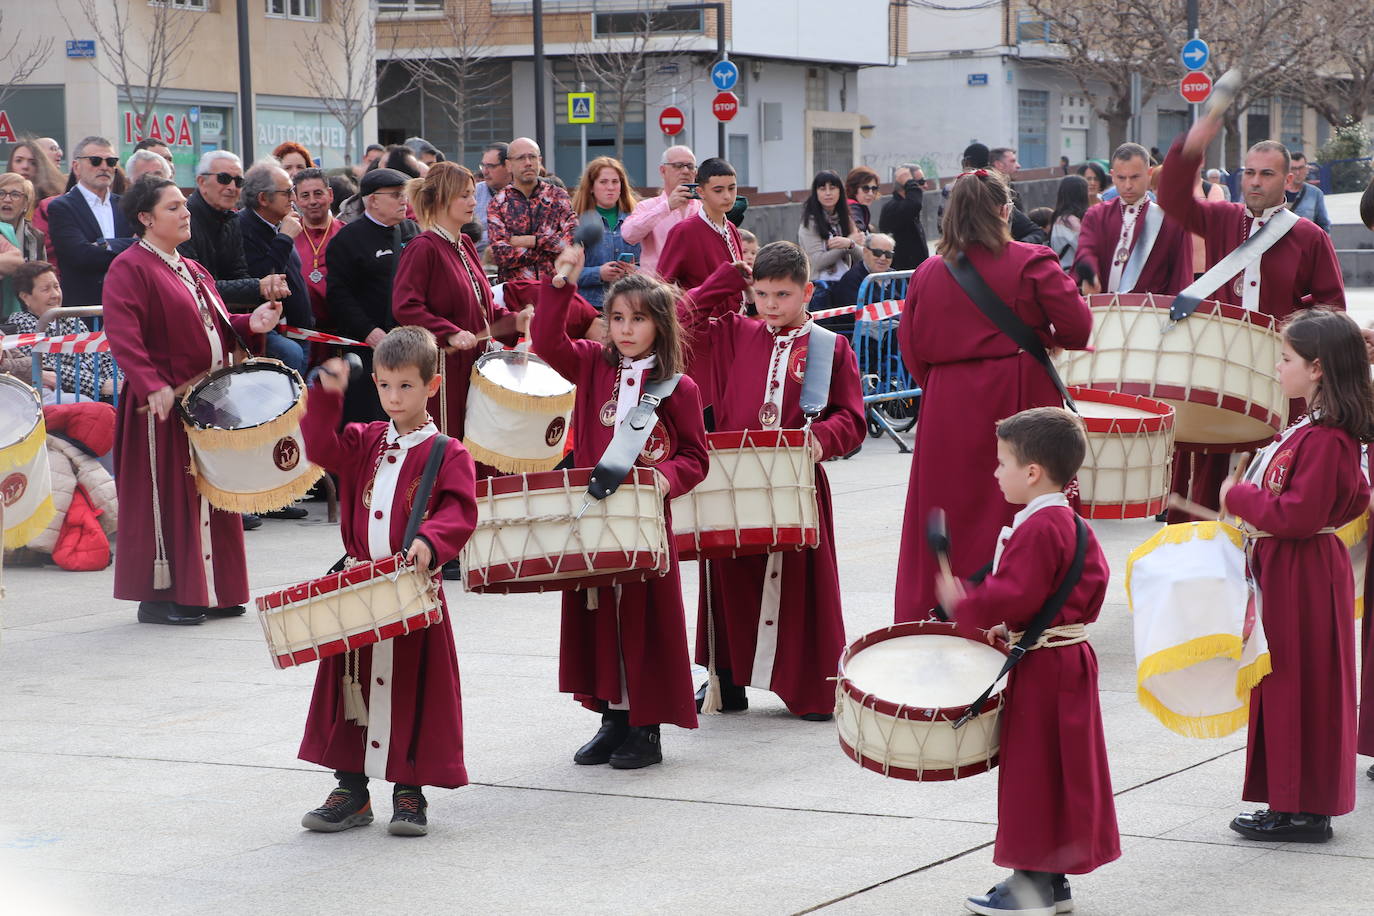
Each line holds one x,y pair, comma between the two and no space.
1067,634
1256,535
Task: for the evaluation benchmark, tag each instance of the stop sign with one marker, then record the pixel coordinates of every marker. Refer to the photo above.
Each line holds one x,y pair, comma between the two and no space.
725,106
1195,87
671,120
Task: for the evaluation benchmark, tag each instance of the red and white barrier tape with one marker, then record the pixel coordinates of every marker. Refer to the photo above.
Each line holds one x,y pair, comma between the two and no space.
317,336
875,311
91,342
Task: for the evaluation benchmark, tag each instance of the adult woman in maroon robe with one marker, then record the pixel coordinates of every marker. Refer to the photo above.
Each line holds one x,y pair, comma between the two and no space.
973,375
167,329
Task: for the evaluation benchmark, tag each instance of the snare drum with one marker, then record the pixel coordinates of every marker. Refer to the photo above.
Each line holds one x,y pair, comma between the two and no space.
1215,367
243,423
25,479
1355,536
518,412
900,691
758,497
530,537
1199,646
1125,473
363,604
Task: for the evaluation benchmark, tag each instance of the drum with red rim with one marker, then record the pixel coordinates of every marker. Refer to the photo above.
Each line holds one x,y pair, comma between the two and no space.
1125,473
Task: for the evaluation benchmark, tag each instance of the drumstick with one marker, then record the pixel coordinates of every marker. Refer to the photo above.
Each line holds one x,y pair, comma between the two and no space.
937,536
177,393
1183,504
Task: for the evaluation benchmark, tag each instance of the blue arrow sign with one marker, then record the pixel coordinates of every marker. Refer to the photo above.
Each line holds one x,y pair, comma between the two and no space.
1195,54
724,75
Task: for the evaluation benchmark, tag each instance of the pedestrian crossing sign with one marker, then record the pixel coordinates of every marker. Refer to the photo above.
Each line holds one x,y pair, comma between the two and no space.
581,107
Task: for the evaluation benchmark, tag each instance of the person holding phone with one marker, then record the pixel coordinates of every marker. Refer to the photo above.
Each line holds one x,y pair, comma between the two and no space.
605,188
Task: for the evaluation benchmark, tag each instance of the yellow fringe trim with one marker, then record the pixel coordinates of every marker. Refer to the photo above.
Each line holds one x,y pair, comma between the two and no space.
507,463
215,439
1179,534
21,453
1248,678
522,402
264,501
31,527
1185,655
1359,607
1217,726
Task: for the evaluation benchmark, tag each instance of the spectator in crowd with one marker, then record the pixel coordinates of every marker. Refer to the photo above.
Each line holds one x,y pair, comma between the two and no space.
161,148
862,189
1067,218
878,251
39,291
1096,177
424,151
16,204
28,159
1041,216
314,199
50,146
397,158
605,189
368,162
1214,176
653,219
146,162
83,223
530,221
1303,198
975,157
1063,165
901,218
827,234
1004,160
749,247
293,157
495,176
344,187
269,226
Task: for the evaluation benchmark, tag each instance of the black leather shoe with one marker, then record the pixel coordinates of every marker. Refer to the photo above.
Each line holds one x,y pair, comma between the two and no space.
1282,827
251,522
1370,773
165,612
816,716
615,726
236,610
732,698
290,513
642,748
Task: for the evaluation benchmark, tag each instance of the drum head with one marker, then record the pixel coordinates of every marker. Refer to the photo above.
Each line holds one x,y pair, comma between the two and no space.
926,671
526,373
19,411
242,397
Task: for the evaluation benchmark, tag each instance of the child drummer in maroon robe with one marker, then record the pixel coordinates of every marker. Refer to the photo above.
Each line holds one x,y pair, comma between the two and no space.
1055,814
1300,754
410,732
777,618
622,650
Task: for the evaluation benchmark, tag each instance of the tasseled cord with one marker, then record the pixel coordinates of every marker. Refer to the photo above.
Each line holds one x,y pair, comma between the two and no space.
711,702
162,570
355,708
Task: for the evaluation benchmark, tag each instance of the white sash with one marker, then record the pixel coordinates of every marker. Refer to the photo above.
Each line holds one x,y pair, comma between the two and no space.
1245,257
1154,219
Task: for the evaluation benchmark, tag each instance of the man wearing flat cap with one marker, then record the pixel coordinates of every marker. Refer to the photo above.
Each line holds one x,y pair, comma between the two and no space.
361,261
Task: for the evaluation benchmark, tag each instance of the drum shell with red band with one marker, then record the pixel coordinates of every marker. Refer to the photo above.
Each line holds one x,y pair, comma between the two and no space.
1125,473
885,727
25,477
358,606
529,538
758,497
1215,367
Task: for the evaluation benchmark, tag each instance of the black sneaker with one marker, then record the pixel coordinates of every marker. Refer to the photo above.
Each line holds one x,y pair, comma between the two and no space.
343,808
1063,894
290,513
408,813
251,522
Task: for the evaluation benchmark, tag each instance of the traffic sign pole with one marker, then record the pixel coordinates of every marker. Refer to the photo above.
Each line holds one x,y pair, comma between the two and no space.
582,87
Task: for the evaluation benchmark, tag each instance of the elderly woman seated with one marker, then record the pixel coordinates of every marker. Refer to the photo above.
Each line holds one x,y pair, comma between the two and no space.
64,376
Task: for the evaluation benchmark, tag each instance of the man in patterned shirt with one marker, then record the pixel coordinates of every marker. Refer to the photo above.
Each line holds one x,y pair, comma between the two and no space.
529,221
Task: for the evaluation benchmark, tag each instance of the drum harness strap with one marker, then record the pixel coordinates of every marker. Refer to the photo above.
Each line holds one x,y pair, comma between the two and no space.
628,441
1247,253
1039,633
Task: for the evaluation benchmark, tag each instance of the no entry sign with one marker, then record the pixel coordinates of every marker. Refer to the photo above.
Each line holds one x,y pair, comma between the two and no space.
1195,87
671,120
725,106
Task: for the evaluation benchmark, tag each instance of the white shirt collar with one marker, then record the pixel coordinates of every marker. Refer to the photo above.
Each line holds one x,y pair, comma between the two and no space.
1268,211
265,220
646,362
92,198
412,438
1043,501
377,221
801,331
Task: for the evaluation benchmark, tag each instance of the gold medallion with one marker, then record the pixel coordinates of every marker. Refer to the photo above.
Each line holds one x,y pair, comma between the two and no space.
768,414
608,412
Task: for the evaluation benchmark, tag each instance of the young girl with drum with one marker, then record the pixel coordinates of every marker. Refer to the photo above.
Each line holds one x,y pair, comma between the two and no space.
1300,756
410,730
1055,814
621,650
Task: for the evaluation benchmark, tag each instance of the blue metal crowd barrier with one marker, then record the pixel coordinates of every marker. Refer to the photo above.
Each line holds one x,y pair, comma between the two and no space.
891,396
68,389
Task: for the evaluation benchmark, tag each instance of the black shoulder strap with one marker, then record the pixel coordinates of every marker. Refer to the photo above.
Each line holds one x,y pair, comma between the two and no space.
417,510
629,439
1007,321
1043,619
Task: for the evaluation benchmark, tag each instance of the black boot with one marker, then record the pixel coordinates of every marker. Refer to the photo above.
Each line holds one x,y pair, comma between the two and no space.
732,698
642,748
615,725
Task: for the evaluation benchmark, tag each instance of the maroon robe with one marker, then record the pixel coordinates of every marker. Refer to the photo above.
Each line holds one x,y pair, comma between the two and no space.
1170,265
432,289
642,623
422,744
1300,753
312,261
691,254
158,339
972,376
1364,738
1054,793
1300,271
808,619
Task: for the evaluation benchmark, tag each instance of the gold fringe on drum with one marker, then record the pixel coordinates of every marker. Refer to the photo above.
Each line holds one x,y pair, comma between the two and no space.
248,437
262,501
525,403
31,527
509,463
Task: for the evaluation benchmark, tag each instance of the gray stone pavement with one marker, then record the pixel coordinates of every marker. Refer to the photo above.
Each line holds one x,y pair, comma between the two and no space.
152,770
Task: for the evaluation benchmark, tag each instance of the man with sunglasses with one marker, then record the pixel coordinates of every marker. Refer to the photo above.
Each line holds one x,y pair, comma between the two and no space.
84,223
648,226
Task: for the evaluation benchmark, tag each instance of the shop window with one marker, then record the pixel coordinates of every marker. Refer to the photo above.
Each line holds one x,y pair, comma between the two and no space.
308,10
182,4
410,6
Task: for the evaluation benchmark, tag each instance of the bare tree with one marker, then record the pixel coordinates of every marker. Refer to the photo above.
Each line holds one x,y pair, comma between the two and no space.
463,76
354,88
22,59
139,61
1341,88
